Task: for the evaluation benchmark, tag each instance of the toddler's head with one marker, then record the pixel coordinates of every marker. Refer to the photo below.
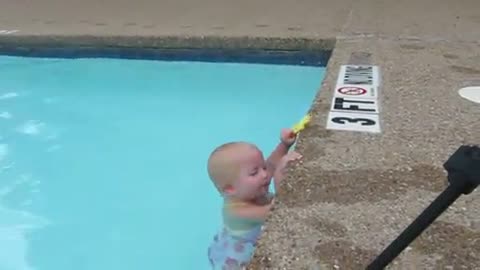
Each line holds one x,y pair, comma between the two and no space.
238,170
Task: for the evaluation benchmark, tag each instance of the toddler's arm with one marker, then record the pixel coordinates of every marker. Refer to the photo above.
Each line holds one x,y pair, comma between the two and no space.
287,140
275,157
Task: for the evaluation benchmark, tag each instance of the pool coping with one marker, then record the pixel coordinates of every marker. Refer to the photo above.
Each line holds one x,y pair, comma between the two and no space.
173,42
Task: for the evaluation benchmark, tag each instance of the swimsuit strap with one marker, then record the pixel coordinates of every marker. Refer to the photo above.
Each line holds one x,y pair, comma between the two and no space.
230,204
269,196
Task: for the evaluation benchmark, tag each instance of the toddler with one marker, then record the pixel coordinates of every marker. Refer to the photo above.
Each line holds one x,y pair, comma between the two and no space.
242,176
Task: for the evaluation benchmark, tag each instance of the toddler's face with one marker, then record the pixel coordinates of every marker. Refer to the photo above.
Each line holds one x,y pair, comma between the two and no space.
253,180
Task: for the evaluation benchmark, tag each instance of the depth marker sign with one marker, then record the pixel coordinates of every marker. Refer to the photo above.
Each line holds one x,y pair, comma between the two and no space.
355,100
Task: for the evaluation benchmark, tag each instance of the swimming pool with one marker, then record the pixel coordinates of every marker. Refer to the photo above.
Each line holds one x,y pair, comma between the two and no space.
102,161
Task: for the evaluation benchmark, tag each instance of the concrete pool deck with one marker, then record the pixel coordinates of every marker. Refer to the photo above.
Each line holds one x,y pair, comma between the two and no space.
354,192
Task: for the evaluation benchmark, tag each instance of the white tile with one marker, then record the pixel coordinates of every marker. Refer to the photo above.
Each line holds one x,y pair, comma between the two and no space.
471,93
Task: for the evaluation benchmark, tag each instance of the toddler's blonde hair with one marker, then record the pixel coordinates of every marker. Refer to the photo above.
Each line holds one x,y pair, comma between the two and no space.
224,164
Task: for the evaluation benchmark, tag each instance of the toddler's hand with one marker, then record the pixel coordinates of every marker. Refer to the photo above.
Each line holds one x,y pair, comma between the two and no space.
288,137
280,170
290,156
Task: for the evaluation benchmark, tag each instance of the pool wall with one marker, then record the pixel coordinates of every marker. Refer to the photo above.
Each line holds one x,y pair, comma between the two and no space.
305,52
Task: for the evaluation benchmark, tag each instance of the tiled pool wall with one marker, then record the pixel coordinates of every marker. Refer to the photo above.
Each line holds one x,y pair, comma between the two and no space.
304,52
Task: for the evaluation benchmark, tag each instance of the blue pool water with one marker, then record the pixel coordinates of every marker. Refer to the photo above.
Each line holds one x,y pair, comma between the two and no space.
102,161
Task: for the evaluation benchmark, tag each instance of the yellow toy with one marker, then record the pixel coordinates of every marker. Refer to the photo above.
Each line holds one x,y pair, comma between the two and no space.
301,124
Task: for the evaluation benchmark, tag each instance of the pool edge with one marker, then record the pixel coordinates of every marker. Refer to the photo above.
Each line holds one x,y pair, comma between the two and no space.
168,41
290,51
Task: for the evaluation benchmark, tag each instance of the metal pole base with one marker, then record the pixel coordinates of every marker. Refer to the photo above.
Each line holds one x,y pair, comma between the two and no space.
463,169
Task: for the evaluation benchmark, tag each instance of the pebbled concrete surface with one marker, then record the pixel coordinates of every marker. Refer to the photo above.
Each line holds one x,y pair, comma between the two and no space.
354,192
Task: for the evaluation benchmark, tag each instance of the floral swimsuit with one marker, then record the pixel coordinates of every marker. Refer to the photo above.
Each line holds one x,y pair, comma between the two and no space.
233,249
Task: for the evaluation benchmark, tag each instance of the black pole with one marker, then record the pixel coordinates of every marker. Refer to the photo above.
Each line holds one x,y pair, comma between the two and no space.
435,209
463,169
